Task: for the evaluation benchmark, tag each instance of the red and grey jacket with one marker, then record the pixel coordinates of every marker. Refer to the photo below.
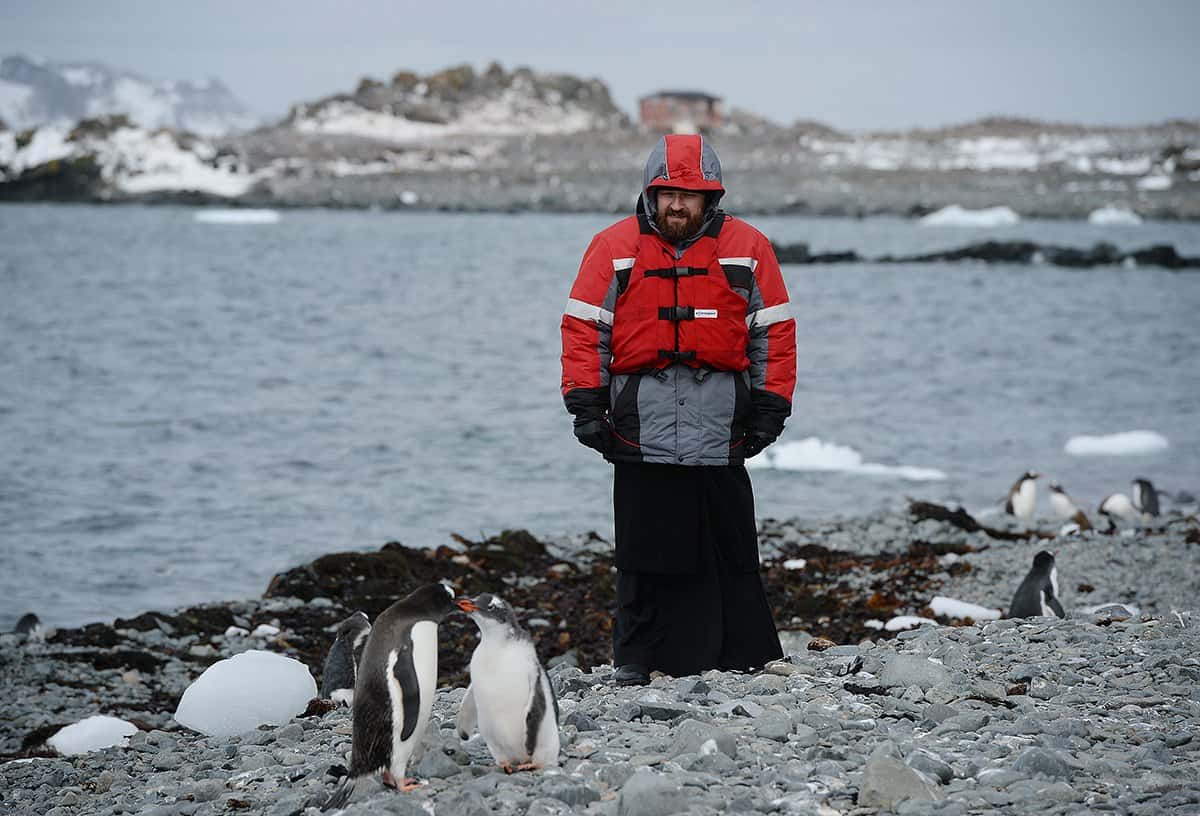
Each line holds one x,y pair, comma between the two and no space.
684,352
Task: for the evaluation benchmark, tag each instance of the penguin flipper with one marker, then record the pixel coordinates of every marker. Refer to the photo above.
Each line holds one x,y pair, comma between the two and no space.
537,711
468,715
1054,605
405,673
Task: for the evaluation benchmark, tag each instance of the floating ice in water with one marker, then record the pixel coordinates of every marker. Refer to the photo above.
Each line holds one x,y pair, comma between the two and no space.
1114,217
92,734
247,690
237,216
952,608
873,624
236,631
795,564
956,216
1118,444
1153,183
907,622
812,453
264,630
408,198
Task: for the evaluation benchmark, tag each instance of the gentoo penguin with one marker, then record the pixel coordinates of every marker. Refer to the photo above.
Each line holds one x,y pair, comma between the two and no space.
510,697
1117,506
1022,496
1145,497
393,695
1066,508
341,664
30,626
1038,593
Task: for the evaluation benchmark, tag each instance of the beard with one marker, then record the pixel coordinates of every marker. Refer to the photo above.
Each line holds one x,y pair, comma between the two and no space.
676,229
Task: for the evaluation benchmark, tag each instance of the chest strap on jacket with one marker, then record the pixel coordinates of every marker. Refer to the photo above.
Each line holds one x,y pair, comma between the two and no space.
676,272
676,356
676,312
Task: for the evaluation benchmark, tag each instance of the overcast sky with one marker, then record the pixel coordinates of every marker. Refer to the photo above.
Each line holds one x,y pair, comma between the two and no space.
854,65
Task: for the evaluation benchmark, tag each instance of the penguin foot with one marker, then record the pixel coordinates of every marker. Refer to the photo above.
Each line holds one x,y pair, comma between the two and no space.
408,785
529,766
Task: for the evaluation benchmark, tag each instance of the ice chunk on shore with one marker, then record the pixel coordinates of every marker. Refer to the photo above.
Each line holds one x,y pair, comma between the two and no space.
956,216
952,608
237,216
92,734
1114,217
245,691
1117,444
812,453
901,622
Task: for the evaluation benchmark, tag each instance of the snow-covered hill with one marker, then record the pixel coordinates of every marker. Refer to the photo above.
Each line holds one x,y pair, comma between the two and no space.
459,101
40,92
110,157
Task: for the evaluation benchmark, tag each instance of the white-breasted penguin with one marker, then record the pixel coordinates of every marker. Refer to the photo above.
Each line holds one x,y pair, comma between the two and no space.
1038,593
510,698
393,695
1066,508
1117,506
1145,497
1022,496
341,664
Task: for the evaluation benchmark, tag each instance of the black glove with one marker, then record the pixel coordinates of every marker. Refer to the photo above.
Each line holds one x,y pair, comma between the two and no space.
755,442
595,433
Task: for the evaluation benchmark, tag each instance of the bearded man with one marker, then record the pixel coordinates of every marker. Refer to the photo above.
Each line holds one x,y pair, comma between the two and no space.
678,364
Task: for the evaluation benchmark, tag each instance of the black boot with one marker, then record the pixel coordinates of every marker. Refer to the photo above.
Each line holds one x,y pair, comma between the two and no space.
631,674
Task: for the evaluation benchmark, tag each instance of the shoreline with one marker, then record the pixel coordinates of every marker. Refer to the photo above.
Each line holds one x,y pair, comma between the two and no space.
813,704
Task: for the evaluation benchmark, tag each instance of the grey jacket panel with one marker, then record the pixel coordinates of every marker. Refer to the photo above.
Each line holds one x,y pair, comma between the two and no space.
604,332
757,350
682,418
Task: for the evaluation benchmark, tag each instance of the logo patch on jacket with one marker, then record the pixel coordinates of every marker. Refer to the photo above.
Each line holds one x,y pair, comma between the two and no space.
700,313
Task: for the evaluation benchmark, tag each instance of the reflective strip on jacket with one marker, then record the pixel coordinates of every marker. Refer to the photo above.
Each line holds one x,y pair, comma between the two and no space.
677,350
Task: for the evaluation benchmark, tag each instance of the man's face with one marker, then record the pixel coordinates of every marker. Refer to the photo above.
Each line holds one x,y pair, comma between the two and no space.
680,213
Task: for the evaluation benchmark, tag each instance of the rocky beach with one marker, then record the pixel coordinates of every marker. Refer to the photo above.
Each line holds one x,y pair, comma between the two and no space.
1096,712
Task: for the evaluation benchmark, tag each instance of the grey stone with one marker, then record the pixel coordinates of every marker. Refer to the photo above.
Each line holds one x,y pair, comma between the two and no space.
773,725
690,736
804,735
207,790
167,762
463,803
930,764
940,712
546,806
887,781
573,794
1041,761
904,670
436,765
626,712
651,794
582,722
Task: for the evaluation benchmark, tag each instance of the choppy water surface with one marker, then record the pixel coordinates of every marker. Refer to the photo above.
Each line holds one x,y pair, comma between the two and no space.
187,408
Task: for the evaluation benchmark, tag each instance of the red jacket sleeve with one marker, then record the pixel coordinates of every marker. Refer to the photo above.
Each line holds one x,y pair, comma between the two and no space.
587,331
772,330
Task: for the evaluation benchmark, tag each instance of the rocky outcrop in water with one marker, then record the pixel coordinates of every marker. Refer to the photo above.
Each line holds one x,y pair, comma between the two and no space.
1008,252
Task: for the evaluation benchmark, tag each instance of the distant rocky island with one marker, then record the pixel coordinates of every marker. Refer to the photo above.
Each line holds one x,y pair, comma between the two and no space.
498,140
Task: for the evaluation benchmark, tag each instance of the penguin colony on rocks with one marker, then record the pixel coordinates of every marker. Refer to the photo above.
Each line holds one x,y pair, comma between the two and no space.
387,672
1038,592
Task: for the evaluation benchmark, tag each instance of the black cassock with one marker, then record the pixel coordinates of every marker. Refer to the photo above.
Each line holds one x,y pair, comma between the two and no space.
689,593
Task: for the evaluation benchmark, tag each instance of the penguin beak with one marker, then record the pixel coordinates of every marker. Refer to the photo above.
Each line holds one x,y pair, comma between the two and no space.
466,605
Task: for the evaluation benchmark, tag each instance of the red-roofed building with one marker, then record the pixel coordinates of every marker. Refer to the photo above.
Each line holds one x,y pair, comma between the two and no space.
680,111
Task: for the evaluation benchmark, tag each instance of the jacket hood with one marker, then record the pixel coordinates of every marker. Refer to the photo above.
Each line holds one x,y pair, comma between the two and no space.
682,162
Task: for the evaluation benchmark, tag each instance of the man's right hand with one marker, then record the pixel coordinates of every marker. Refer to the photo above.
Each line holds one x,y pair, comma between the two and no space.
597,434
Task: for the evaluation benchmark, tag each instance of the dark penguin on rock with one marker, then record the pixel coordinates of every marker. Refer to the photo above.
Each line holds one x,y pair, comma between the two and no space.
1145,498
510,698
1038,593
393,695
30,626
341,664
1022,496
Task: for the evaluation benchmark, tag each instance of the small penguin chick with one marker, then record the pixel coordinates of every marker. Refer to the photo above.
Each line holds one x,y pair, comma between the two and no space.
510,698
341,664
30,626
